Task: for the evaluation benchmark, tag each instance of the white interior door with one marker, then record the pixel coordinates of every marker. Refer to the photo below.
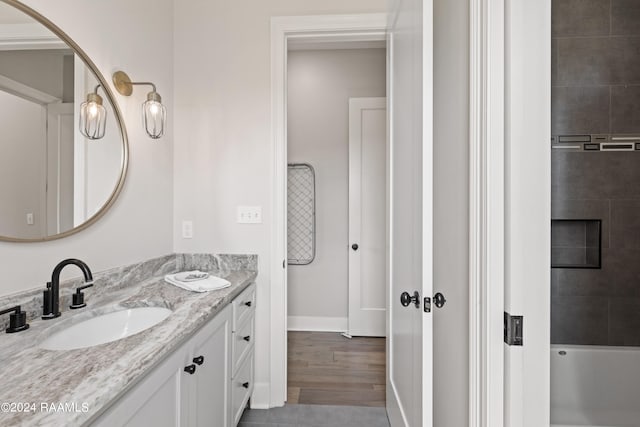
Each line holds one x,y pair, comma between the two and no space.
410,327
367,216
60,136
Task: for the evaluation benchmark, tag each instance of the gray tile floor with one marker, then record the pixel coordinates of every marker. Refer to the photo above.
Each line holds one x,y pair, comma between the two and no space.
315,416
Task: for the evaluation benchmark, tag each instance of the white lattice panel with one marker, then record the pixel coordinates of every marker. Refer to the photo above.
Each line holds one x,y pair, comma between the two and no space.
301,214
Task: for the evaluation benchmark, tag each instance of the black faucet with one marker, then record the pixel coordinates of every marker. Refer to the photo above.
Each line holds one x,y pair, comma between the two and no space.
51,304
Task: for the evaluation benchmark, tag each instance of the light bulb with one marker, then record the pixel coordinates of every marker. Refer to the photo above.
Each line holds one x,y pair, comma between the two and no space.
93,109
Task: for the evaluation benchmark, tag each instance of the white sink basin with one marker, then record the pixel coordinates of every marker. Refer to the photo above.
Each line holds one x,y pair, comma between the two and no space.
106,328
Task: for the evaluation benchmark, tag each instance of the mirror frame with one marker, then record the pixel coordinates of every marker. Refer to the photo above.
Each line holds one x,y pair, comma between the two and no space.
117,113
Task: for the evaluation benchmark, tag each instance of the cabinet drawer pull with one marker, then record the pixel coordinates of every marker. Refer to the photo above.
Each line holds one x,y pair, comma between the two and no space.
247,338
248,303
198,360
191,369
245,385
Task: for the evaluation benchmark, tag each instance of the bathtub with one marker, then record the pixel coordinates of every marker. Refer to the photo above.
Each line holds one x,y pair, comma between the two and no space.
595,386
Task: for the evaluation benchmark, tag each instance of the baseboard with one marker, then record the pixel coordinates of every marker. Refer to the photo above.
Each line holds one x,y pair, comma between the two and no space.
319,324
261,396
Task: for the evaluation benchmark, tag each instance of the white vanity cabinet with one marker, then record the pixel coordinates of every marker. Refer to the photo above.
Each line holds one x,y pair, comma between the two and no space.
217,391
242,351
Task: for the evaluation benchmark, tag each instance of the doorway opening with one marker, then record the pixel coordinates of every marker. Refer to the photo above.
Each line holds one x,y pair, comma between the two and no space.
336,223
595,160
291,32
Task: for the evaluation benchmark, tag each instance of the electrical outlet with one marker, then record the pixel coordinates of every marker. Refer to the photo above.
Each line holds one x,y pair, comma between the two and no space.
249,214
187,229
30,218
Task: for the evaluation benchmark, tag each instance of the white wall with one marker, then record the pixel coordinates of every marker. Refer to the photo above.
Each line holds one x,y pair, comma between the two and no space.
22,161
223,155
320,83
139,225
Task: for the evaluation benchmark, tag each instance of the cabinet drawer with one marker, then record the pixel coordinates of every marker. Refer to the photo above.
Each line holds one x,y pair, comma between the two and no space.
243,340
241,388
243,305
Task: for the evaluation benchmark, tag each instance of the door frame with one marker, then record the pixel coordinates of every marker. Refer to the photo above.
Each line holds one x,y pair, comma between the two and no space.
486,213
527,202
301,29
510,101
55,165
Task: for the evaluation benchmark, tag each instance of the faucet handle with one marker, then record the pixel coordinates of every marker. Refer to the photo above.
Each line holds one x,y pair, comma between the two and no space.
47,303
17,319
85,286
78,297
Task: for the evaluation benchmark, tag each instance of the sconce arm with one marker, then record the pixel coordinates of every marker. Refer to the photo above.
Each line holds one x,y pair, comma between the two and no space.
144,84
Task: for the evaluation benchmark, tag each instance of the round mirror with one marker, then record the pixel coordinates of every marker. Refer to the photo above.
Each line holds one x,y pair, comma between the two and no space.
56,176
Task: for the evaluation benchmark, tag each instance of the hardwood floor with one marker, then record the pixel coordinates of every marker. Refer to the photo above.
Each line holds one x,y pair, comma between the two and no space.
325,368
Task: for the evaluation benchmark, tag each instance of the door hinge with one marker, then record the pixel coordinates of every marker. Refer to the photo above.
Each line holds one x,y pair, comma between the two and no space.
512,329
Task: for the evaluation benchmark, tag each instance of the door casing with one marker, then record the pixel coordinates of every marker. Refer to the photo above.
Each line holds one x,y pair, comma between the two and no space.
527,168
60,154
509,210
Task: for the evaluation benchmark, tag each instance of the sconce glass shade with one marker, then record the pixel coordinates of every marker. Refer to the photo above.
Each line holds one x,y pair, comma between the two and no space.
93,117
154,115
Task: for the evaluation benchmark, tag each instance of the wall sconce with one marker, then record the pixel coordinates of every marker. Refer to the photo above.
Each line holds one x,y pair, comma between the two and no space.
154,114
93,116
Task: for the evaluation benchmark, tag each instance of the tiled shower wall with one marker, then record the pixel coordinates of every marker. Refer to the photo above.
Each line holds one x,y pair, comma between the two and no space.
596,89
595,66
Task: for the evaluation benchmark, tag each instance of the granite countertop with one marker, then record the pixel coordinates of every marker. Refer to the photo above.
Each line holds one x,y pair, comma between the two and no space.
88,380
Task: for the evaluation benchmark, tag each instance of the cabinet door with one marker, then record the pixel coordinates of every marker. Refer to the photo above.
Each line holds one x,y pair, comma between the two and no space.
162,408
209,402
154,401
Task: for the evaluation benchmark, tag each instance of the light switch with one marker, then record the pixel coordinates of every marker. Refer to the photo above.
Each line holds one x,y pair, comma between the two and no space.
187,229
30,218
250,214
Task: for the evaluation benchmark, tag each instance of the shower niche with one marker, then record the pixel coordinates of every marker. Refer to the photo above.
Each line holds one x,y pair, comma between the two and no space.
576,243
